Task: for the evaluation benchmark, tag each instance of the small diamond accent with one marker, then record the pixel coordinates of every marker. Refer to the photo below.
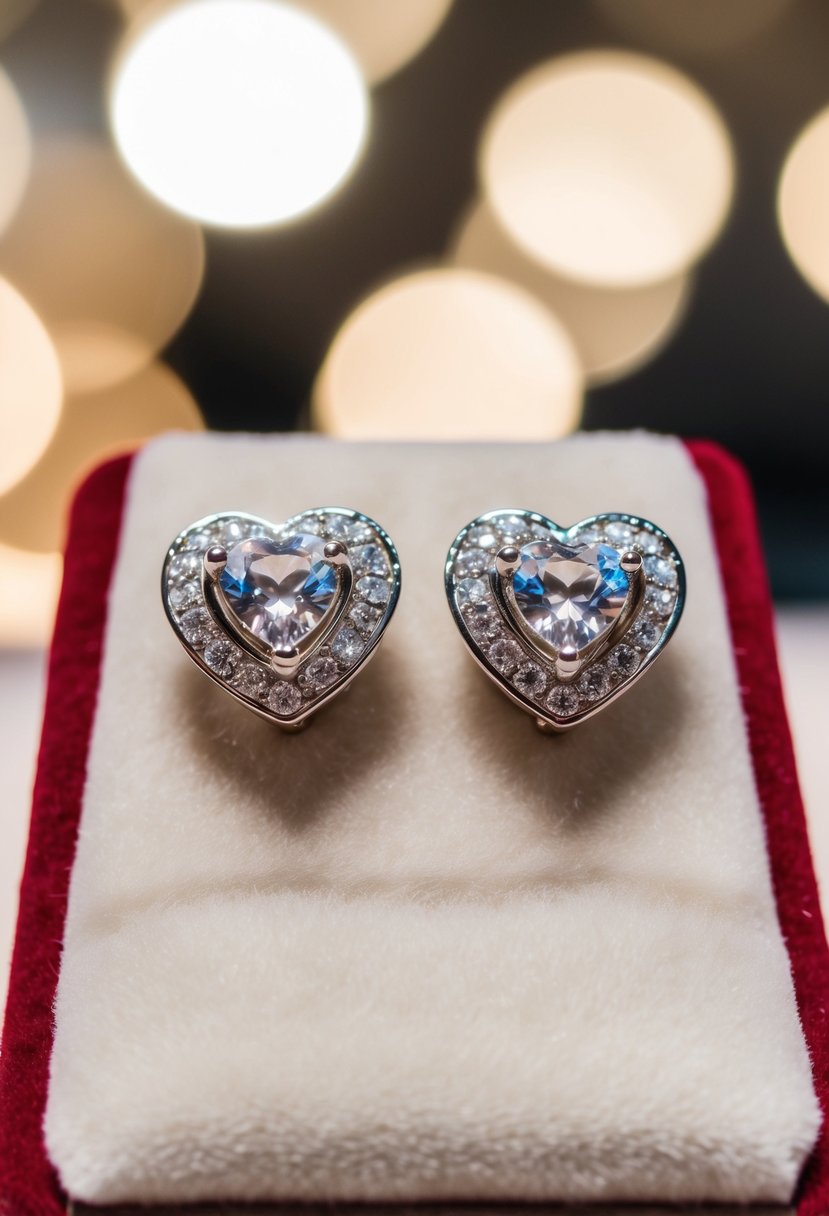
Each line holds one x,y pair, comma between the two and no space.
482,536
369,559
661,571
284,698
618,533
623,660
337,527
347,647
659,601
530,679
185,566
645,634
647,542
252,681
196,626
364,616
594,683
514,530
232,532
563,701
375,590
505,654
321,673
471,591
200,540
184,596
472,562
479,617
220,656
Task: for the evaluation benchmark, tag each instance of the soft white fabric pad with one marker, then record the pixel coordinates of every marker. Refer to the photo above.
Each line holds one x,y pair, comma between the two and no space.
421,951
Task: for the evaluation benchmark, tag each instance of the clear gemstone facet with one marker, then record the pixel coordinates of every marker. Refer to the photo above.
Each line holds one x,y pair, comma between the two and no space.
375,590
347,647
280,591
569,594
284,698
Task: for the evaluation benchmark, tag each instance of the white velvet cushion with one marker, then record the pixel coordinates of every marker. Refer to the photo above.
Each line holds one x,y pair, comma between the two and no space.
420,950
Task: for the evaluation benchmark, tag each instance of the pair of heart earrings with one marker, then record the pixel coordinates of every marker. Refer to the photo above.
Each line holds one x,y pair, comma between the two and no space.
284,616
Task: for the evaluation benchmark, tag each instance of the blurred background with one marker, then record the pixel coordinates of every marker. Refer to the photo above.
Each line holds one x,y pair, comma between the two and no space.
411,219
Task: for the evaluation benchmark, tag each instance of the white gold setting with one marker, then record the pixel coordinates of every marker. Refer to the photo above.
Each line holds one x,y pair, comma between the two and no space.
333,578
564,620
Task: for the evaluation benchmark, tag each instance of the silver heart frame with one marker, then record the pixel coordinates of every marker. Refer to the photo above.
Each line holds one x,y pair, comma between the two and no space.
562,689
285,686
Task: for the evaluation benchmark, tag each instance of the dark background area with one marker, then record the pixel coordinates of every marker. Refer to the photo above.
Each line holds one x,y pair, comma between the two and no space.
749,365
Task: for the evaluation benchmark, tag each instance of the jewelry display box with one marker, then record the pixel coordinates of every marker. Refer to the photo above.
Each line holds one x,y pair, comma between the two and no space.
418,952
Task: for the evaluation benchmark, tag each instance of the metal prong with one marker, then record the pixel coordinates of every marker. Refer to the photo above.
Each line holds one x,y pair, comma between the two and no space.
631,561
507,560
285,659
545,727
215,560
336,553
567,663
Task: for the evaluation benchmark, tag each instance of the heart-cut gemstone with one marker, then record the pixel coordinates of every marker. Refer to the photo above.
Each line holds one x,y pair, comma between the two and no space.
569,594
279,590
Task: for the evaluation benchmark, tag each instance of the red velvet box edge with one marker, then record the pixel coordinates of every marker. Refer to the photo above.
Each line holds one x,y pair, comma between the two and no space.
28,1185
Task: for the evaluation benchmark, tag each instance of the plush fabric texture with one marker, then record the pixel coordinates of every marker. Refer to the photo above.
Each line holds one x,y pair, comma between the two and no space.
421,952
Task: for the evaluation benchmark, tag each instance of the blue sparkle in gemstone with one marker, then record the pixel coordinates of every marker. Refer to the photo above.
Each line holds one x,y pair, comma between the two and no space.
569,594
279,591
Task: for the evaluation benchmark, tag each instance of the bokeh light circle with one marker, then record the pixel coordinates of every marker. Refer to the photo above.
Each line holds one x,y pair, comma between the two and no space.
615,331
383,34
112,273
449,354
240,113
28,620
803,203
31,389
15,143
92,428
608,168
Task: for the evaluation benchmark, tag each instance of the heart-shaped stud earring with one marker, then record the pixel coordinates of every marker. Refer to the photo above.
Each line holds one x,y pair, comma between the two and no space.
282,616
564,620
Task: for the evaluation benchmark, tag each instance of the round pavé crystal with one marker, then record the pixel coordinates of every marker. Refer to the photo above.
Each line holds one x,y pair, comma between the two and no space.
645,634
375,590
618,533
220,656
659,601
185,566
347,647
232,531
321,673
284,698
472,562
479,617
622,660
660,570
530,679
199,541
482,536
365,616
369,559
252,681
594,683
569,594
513,529
338,527
471,591
279,591
185,595
647,542
563,701
505,654
196,626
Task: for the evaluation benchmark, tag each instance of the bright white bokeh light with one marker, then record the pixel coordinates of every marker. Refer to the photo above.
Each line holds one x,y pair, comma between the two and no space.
383,34
803,203
615,330
31,389
608,168
240,113
15,150
449,354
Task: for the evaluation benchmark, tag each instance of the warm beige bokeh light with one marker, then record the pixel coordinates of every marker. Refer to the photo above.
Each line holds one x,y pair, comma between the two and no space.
693,25
608,168
92,427
449,354
27,621
112,273
384,36
803,203
239,113
15,150
614,331
31,390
